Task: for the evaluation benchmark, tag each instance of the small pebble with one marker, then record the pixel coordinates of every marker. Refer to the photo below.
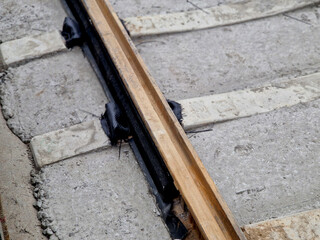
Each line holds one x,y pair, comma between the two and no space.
39,203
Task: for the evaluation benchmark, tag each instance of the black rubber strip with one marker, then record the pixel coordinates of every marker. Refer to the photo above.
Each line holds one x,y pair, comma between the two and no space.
176,108
148,151
176,228
71,33
115,124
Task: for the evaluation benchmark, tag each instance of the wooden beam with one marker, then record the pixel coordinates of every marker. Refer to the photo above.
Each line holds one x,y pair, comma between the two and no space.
208,208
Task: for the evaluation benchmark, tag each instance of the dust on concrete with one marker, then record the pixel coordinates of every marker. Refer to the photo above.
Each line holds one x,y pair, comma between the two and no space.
29,17
50,93
268,165
108,197
15,189
82,197
97,196
223,59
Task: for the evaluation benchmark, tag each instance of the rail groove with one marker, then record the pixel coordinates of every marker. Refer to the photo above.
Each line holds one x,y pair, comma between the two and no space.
208,208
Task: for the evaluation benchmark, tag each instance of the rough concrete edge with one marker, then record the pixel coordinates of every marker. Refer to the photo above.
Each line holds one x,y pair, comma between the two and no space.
30,158
36,180
46,55
39,195
33,153
39,164
3,65
34,146
3,227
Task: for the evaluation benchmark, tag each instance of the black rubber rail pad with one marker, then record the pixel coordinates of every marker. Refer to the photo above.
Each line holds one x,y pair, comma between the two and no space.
157,170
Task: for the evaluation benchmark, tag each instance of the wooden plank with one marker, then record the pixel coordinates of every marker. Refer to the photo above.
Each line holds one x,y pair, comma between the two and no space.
201,111
221,15
305,225
209,210
68,142
30,47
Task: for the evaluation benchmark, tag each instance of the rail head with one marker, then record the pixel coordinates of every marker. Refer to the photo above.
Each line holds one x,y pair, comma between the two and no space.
203,199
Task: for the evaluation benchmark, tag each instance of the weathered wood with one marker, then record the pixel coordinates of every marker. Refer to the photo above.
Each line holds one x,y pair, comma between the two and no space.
221,15
211,213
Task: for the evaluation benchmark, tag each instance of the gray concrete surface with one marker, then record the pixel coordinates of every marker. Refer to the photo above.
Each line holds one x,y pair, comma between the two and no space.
230,58
68,142
303,225
265,166
24,49
268,165
28,17
59,91
98,196
15,189
133,8
51,93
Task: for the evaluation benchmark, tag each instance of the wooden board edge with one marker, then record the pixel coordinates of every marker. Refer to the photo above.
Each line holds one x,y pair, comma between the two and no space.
213,216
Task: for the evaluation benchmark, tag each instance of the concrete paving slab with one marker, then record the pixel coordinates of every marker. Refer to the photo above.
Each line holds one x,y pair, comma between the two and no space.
267,165
154,7
100,195
68,142
15,189
88,136
246,55
49,94
30,47
305,225
94,196
24,18
201,111
203,18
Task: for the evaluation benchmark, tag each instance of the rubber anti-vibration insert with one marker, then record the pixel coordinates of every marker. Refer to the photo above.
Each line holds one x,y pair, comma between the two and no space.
115,124
71,33
146,147
176,228
176,108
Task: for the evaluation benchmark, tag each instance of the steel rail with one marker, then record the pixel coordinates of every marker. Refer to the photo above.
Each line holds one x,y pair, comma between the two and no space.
208,208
